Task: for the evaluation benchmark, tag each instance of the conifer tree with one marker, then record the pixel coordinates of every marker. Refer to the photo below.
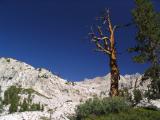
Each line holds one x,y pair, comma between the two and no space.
147,21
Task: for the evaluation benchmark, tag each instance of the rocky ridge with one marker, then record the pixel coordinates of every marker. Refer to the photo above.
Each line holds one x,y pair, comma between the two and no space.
55,93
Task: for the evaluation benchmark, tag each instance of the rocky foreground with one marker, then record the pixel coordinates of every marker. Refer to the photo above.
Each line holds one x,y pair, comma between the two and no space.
59,97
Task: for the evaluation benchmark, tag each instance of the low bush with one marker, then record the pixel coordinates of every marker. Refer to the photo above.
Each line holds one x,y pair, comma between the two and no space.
97,106
1,101
137,96
115,108
8,60
1,105
132,114
12,98
125,94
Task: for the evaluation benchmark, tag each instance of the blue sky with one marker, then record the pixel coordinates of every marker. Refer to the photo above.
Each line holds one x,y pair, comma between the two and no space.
53,34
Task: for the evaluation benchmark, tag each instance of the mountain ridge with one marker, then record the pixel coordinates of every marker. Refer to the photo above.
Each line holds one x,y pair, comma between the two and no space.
52,91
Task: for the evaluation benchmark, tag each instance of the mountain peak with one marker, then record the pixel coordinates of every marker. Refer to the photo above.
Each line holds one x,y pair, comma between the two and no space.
50,90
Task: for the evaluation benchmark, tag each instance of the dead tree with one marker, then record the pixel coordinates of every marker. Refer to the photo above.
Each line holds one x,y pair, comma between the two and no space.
106,44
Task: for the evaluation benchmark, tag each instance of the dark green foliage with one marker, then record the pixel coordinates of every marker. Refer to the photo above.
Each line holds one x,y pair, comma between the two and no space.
24,106
1,105
103,106
35,107
147,21
70,83
137,96
125,94
154,88
30,107
11,96
132,114
1,102
13,107
42,107
28,91
8,60
38,106
115,108
44,76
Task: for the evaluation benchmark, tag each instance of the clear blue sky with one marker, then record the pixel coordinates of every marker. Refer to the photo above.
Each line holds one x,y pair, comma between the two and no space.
53,34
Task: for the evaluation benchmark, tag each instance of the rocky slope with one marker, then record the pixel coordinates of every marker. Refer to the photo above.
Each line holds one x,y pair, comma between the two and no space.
55,93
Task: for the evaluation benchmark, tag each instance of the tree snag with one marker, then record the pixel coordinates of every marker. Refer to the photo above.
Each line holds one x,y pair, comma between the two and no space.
106,45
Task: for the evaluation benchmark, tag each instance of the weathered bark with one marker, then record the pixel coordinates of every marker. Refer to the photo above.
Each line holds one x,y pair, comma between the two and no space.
115,76
114,70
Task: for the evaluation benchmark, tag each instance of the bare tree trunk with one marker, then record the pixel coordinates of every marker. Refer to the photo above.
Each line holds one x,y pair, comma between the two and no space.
114,70
115,75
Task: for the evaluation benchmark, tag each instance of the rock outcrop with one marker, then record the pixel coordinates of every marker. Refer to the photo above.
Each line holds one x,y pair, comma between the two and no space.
56,94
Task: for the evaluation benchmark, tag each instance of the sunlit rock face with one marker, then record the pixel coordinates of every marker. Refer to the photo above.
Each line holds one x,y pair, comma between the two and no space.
55,93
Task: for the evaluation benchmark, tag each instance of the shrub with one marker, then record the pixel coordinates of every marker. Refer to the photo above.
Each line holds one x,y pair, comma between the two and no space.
24,106
125,94
11,95
8,60
1,105
132,114
35,107
44,76
97,106
137,96
13,107
70,83
153,91
153,73
12,98
42,107
1,102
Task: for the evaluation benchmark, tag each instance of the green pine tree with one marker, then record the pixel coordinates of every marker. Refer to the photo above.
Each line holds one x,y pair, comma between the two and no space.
147,21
